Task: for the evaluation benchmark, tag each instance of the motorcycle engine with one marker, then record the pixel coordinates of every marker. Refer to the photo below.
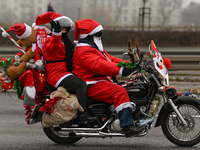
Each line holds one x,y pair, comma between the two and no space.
116,125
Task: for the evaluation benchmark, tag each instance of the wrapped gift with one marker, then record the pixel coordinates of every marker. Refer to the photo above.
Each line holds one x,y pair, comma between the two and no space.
5,62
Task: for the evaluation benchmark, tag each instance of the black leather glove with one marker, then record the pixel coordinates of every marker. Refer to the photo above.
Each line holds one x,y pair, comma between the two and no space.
136,67
126,72
56,26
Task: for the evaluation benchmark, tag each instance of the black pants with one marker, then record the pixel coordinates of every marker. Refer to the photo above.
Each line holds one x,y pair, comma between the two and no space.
76,86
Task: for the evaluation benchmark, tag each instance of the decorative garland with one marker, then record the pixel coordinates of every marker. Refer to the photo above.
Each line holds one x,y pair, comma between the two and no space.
17,88
127,64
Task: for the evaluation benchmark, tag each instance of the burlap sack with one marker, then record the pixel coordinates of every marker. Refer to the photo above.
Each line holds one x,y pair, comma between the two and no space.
65,109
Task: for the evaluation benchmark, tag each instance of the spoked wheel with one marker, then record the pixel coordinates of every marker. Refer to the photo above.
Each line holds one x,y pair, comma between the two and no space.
183,135
56,134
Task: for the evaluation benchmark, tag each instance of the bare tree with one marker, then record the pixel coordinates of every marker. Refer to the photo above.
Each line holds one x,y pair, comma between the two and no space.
190,15
100,14
167,8
120,4
9,16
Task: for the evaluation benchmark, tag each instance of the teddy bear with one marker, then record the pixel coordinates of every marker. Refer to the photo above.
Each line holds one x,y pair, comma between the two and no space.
27,37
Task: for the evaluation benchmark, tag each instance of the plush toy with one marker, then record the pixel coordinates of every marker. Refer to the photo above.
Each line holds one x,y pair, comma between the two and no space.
27,37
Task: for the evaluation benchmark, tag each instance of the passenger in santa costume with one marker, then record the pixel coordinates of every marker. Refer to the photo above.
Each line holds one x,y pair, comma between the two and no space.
58,52
96,67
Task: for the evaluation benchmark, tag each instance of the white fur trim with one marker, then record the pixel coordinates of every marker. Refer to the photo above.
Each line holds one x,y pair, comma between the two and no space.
4,34
93,82
82,44
122,106
75,42
33,25
95,30
58,82
42,27
27,32
120,71
57,33
33,47
31,91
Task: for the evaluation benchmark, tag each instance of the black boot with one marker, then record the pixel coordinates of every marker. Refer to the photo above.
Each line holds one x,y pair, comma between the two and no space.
131,130
85,117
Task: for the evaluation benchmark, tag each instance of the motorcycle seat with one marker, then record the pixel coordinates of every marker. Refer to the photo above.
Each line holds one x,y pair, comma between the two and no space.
93,101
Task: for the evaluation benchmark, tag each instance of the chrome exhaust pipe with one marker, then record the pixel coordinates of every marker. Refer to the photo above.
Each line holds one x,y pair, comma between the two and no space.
99,134
88,129
102,134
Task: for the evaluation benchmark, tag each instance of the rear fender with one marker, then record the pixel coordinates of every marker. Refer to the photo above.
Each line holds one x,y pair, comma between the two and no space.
166,108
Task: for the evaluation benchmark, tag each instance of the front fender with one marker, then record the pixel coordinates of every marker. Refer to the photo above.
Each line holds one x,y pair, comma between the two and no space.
166,108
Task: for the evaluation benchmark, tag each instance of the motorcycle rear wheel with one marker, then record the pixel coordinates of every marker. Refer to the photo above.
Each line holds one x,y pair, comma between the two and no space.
179,134
59,137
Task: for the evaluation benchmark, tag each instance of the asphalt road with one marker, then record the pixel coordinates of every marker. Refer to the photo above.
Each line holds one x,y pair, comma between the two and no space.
16,134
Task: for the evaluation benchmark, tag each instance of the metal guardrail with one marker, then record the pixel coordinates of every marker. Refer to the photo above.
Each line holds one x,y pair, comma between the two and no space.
184,60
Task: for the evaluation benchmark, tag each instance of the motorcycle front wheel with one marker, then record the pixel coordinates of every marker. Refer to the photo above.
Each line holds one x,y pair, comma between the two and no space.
179,134
60,137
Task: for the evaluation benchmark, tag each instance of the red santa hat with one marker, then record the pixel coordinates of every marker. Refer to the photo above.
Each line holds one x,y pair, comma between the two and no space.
22,30
49,16
86,27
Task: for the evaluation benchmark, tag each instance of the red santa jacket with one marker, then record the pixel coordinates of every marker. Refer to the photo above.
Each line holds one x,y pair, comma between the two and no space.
92,66
54,50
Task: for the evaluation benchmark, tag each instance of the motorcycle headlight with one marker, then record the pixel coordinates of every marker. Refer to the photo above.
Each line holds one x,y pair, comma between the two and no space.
170,93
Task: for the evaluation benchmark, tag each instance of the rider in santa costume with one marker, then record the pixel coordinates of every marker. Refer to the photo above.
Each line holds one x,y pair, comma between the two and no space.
58,52
96,67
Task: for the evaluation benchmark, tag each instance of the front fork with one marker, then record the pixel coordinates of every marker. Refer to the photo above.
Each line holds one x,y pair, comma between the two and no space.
177,112
180,117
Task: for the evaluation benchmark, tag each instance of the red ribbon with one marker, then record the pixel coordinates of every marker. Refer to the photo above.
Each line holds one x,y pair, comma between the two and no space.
5,59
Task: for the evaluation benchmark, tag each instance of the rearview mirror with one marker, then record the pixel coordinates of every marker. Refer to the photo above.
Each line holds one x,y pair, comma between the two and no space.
125,56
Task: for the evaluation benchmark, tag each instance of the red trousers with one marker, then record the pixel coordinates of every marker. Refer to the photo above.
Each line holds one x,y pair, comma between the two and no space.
110,93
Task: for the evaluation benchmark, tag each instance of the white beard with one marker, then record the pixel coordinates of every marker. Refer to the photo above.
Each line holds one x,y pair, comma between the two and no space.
97,41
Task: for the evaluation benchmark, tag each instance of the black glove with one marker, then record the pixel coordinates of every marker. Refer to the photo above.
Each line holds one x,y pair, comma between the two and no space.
126,72
136,67
56,26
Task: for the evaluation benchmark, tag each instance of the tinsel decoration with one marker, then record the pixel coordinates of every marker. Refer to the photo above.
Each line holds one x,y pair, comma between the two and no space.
17,88
5,71
127,64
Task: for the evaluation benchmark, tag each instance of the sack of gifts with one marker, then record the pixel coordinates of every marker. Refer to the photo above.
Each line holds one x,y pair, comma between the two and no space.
65,107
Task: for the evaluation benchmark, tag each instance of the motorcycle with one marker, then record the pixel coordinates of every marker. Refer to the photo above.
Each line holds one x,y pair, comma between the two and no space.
152,100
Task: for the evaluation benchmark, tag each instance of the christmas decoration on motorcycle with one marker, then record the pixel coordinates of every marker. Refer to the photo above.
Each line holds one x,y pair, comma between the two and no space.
127,64
5,62
27,36
167,63
60,111
160,65
154,107
28,113
6,83
17,87
49,105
